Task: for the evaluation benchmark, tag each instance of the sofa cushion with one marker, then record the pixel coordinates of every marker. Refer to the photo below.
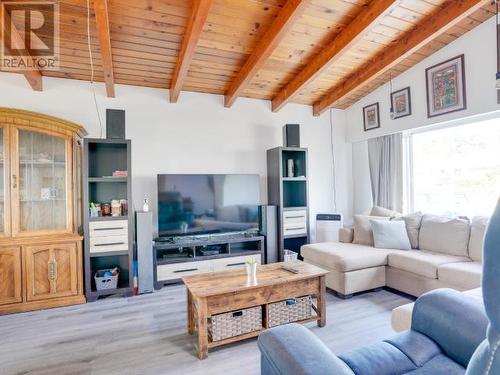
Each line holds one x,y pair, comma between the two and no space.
346,235
363,234
378,358
424,263
412,222
390,234
444,235
345,257
383,212
464,275
477,229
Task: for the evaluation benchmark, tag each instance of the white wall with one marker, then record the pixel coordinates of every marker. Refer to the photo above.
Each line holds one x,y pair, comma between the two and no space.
479,48
196,135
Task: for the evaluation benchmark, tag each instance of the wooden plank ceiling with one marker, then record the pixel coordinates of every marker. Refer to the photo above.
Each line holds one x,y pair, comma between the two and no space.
255,48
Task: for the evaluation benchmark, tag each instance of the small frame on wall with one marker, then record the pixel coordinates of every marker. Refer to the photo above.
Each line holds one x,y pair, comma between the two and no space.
445,84
401,103
371,117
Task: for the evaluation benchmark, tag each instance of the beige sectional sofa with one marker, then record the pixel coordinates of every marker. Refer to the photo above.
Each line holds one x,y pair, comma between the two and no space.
448,255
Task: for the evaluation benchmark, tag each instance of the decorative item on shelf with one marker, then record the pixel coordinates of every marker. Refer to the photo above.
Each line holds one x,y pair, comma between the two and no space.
401,103
124,207
371,117
116,208
120,174
445,84
45,193
93,210
106,209
290,167
145,205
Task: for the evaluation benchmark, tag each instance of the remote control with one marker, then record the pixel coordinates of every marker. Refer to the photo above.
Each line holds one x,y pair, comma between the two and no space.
290,269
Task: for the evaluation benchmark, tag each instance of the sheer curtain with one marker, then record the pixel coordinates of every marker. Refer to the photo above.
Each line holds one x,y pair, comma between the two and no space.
386,171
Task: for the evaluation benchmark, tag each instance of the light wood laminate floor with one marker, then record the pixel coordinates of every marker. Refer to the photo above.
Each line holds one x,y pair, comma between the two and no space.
147,335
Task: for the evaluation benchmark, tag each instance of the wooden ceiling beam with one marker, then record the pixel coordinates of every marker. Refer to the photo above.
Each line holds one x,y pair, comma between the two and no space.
194,28
102,25
452,12
350,35
33,76
292,10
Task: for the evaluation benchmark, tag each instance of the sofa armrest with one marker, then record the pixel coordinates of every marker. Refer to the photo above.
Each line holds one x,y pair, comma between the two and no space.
293,350
346,235
455,321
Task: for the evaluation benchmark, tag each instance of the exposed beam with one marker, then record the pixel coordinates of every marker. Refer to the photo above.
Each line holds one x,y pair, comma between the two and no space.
33,76
350,35
194,29
452,12
265,47
102,25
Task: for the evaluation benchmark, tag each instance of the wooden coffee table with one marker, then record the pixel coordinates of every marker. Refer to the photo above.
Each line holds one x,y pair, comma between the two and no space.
221,292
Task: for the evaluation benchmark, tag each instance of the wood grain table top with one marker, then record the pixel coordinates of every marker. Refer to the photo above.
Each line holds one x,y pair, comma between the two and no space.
216,283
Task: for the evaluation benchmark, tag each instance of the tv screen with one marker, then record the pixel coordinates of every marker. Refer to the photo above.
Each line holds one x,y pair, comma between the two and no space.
190,204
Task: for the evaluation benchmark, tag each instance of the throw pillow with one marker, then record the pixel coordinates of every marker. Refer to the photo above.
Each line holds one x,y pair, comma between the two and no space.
383,212
363,234
413,222
390,234
444,235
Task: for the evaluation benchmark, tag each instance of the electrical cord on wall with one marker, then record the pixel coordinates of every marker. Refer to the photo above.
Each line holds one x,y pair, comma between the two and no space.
334,178
92,70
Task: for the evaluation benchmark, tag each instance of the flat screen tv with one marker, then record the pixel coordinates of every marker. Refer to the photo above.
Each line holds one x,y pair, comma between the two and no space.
192,204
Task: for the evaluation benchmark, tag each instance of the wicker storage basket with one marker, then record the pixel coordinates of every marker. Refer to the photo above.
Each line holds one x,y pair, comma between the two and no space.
291,310
223,326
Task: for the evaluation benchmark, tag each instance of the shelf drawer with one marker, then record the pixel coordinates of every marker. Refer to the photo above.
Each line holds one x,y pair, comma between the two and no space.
178,270
108,228
108,243
294,216
294,222
232,263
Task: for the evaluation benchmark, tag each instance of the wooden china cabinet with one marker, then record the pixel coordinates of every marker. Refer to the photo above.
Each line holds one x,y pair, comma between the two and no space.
40,212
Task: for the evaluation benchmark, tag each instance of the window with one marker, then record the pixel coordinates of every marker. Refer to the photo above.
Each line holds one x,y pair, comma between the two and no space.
455,170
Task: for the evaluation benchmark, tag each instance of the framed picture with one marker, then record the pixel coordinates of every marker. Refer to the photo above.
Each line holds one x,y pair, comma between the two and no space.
401,102
446,87
371,117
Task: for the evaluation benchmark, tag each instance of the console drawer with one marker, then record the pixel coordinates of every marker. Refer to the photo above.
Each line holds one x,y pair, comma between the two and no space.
178,270
108,228
108,243
232,263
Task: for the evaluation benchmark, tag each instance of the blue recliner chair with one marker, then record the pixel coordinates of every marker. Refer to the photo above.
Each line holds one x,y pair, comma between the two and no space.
447,335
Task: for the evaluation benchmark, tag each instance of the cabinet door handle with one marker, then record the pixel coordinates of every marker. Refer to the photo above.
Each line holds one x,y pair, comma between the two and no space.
235,264
52,270
115,228
109,244
296,228
14,181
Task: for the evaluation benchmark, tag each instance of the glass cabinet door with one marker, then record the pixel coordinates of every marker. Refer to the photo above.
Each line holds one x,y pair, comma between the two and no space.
42,182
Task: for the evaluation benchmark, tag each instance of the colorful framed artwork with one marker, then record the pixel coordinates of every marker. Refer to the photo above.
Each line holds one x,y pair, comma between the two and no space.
371,117
401,103
446,87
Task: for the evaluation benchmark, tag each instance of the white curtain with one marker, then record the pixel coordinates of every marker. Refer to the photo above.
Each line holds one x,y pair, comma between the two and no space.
386,171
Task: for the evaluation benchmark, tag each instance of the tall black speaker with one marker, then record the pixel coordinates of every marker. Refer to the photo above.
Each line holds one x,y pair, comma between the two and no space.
268,226
115,124
291,135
